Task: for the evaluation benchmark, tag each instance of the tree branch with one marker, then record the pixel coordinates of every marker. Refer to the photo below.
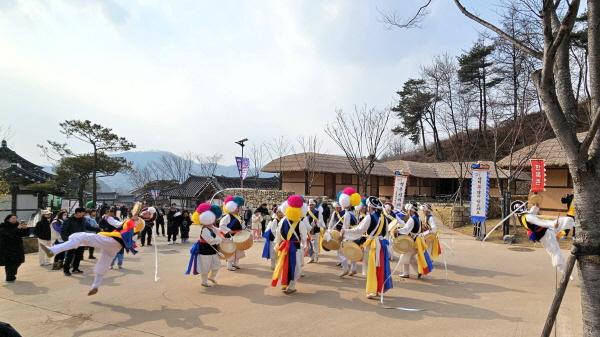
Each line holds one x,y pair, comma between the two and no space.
392,20
535,53
585,145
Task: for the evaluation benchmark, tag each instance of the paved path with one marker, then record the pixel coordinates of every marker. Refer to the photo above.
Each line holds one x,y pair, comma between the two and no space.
490,291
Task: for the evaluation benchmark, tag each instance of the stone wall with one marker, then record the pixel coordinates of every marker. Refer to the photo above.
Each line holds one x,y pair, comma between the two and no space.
255,198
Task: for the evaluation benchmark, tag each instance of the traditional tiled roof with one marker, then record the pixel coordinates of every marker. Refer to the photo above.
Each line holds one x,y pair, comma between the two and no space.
339,164
328,163
13,166
195,185
549,150
444,170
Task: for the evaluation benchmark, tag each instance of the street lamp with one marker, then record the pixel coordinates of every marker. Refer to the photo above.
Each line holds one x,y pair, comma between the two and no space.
241,143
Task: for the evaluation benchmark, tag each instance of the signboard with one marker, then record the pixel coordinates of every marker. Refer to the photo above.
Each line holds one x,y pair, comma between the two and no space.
400,182
480,191
154,194
243,165
538,175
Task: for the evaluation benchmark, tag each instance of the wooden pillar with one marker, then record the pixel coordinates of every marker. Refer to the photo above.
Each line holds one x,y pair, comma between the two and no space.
306,189
14,189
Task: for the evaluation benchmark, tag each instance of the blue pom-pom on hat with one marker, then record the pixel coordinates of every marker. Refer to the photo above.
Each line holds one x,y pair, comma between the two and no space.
216,210
239,201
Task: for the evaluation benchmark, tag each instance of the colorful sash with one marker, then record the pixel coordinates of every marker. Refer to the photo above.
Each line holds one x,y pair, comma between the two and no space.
193,263
378,268
266,253
424,262
436,248
286,263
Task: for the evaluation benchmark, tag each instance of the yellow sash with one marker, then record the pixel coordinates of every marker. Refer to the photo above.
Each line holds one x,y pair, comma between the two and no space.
371,287
281,255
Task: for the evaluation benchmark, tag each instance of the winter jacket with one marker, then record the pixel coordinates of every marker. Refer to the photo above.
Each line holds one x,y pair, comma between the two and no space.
11,244
72,225
42,229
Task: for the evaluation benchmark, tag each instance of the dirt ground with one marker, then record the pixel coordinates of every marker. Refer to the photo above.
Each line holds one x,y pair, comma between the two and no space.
488,290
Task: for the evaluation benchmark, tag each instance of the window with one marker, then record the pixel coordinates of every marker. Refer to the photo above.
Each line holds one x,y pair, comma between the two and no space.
346,179
412,181
387,181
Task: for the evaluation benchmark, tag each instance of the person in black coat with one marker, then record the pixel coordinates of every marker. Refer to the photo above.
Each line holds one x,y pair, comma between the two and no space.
186,222
160,220
12,254
74,224
173,227
42,231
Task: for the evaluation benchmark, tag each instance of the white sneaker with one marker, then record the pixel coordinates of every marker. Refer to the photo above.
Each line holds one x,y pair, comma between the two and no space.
169,243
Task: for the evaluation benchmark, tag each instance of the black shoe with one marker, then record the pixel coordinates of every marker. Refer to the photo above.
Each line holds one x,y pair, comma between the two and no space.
67,273
77,271
91,257
149,245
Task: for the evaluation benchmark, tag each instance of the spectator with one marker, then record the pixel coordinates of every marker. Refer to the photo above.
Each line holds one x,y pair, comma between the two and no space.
109,217
247,216
91,226
73,224
6,330
264,212
326,212
123,210
12,254
55,229
42,231
160,221
186,222
173,227
146,235
257,218
119,259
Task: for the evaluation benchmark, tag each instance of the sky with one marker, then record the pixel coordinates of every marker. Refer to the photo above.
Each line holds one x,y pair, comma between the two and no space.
192,75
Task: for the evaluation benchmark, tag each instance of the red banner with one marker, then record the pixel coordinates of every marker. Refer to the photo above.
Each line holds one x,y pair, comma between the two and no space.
538,175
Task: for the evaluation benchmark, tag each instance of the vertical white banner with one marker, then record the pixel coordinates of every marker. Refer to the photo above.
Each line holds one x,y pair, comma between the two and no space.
479,195
399,190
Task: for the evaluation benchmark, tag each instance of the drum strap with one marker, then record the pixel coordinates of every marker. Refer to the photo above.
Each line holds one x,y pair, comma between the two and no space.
292,231
376,232
339,219
313,216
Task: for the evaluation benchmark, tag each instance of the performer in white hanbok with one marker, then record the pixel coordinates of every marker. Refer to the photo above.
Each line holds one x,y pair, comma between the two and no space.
110,243
374,226
412,228
315,219
205,251
290,234
269,251
349,199
545,231
230,224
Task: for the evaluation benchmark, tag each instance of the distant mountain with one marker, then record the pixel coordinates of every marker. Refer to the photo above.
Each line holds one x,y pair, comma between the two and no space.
120,182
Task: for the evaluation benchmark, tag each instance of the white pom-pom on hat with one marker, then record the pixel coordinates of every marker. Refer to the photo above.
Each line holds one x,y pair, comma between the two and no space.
344,200
231,206
207,218
304,209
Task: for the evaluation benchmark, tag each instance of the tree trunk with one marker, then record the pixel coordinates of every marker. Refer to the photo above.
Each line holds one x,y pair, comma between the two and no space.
423,135
587,205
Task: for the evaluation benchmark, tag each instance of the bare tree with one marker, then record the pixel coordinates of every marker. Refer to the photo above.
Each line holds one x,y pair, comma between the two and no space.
396,148
309,146
363,136
257,160
277,148
208,164
140,177
173,167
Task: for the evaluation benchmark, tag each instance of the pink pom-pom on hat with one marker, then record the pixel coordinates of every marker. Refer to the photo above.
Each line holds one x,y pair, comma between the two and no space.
228,199
349,191
295,201
203,207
